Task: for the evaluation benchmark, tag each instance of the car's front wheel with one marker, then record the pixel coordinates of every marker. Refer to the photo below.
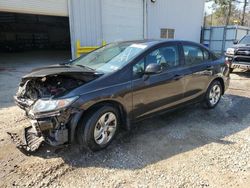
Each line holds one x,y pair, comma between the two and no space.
99,128
213,94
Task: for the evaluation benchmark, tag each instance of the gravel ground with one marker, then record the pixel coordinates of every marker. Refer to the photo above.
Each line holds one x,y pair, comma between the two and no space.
191,147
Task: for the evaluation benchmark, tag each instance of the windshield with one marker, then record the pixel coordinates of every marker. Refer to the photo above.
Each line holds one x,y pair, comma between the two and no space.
245,40
111,57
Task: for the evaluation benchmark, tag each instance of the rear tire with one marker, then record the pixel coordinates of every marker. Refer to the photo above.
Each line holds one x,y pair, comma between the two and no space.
213,95
98,128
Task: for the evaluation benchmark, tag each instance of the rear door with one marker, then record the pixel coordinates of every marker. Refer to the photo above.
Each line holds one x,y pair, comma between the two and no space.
200,69
159,91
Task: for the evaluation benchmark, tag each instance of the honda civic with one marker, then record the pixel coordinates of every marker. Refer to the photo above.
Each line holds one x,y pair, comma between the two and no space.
88,99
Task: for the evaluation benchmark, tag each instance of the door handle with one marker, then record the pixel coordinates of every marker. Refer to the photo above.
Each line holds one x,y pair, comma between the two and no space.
178,77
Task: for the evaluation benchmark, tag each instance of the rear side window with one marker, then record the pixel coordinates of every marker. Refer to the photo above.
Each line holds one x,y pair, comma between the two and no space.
194,55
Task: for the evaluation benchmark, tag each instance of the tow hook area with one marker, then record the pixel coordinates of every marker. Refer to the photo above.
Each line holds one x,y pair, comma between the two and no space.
29,143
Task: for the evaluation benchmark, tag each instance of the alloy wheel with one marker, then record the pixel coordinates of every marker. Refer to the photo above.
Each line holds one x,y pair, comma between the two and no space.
105,128
215,94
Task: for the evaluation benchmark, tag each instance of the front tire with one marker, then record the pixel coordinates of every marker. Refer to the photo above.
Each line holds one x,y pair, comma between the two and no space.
99,128
213,95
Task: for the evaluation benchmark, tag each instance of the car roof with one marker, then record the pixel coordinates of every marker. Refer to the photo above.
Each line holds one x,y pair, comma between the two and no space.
152,42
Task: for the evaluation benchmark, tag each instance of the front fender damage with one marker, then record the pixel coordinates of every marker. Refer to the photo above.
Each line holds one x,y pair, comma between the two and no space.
57,127
53,129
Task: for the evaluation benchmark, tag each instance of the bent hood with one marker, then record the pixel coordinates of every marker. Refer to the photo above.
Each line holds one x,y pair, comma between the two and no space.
68,70
52,81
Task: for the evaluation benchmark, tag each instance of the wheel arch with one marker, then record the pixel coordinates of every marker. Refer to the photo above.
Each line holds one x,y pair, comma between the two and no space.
221,82
125,123
121,109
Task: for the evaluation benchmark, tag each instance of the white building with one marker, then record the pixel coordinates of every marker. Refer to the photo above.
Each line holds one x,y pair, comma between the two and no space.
94,21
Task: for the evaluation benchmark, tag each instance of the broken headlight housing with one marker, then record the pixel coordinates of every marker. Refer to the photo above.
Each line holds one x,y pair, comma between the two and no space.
43,105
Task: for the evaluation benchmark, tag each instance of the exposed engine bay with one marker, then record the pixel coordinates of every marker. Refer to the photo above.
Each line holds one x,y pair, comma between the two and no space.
31,90
47,87
52,126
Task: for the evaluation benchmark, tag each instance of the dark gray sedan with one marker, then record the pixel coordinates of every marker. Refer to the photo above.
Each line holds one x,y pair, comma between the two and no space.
87,100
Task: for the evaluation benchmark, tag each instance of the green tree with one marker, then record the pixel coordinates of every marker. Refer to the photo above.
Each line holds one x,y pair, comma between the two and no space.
226,6
227,12
244,12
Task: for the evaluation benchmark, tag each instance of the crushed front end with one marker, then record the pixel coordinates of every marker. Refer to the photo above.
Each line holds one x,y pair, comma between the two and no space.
50,113
52,128
30,140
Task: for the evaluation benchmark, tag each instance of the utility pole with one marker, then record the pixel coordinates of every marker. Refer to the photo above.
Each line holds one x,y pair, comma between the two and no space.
212,19
244,12
205,20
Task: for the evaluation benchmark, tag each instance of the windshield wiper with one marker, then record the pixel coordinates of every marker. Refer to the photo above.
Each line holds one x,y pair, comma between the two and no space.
86,67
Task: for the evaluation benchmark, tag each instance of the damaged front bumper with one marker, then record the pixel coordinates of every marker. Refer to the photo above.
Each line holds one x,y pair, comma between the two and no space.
29,142
53,128
44,94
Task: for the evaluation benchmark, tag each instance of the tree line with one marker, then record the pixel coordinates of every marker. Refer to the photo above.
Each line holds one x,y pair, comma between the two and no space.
228,12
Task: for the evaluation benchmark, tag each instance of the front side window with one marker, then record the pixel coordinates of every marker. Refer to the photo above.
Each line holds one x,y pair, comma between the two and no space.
167,57
110,58
139,68
193,55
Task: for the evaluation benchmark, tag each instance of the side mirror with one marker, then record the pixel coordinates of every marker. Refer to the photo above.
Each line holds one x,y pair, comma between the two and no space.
153,68
236,42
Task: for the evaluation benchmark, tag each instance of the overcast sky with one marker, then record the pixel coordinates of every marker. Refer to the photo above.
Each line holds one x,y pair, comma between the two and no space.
209,10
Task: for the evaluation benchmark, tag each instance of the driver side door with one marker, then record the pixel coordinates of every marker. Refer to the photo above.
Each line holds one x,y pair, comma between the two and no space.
152,93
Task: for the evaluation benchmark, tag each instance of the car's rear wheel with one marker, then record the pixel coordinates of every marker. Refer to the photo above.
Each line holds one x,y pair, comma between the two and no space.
99,128
213,94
